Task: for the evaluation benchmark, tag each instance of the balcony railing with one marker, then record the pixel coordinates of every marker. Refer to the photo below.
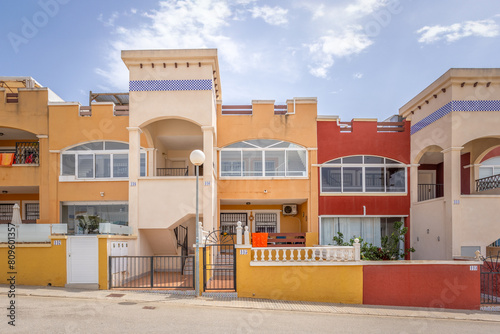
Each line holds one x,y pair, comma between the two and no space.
488,183
172,171
430,191
26,153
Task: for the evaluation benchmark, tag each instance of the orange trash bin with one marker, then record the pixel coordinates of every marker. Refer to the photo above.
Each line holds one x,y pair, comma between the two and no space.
259,239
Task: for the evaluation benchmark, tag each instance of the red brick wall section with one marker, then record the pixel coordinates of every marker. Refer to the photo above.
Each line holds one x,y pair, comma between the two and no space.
465,174
420,285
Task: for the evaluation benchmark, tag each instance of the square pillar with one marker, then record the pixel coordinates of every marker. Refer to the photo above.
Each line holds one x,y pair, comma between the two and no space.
208,186
133,176
452,196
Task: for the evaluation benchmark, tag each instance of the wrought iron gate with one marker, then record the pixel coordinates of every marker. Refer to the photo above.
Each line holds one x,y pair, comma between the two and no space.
219,262
490,280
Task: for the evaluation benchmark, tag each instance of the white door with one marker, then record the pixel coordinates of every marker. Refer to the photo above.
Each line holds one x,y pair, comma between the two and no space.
83,259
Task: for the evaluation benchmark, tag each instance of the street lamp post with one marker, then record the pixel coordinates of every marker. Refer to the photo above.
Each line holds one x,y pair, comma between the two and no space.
197,158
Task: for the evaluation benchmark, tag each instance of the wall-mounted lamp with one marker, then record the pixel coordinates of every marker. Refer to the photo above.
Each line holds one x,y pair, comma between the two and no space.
102,193
427,231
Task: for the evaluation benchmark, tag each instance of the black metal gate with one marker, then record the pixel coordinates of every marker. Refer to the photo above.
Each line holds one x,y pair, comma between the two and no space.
219,262
137,272
490,280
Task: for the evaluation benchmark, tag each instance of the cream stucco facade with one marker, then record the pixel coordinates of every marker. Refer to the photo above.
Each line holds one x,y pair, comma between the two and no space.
455,123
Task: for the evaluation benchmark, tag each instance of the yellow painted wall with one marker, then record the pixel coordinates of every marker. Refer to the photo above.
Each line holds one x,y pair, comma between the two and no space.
29,114
103,262
332,284
36,264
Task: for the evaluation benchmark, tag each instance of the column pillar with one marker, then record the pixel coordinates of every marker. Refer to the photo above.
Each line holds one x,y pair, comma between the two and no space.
452,196
133,176
414,183
43,188
207,185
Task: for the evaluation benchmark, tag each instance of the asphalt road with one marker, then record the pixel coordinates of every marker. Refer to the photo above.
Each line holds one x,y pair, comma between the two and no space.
72,315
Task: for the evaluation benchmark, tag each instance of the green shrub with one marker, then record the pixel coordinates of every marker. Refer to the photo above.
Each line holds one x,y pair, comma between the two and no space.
389,249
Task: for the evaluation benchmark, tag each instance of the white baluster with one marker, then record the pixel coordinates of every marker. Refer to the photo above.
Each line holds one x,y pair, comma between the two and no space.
262,255
255,254
320,251
328,254
270,258
291,254
285,256
299,254
277,256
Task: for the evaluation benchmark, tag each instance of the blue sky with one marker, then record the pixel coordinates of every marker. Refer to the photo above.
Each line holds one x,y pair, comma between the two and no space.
360,58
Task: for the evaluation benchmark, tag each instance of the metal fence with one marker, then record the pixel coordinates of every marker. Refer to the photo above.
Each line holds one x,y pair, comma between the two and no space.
429,191
487,183
172,171
138,272
490,280
490,288
219,267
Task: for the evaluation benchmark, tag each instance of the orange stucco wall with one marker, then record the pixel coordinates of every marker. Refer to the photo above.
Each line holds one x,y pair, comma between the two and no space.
298,128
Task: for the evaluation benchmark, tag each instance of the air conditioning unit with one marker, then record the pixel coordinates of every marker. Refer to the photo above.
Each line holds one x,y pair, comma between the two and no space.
289,209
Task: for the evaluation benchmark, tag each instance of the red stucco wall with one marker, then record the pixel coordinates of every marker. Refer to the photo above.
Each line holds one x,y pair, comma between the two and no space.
433,285
364,140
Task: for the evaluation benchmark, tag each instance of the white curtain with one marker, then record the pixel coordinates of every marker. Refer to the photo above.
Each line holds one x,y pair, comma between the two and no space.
366,228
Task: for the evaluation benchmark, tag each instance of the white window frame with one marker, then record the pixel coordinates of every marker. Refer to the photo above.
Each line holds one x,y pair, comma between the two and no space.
346,238
263,165
363,167
111,153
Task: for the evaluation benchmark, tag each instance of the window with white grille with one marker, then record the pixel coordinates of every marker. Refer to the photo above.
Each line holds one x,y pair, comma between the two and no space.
6,211
32,211
266,222
229,221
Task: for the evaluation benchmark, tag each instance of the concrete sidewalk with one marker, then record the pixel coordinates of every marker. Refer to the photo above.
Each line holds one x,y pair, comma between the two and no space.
177,297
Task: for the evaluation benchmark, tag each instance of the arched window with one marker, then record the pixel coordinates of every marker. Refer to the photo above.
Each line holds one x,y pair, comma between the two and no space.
363,173
263,158
98,160
489,167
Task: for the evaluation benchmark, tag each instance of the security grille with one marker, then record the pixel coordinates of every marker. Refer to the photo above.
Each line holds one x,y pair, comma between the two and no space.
229,221
266,222
6,211
32,211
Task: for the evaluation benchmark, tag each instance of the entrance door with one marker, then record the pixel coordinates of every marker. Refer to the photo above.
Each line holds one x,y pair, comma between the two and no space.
82,260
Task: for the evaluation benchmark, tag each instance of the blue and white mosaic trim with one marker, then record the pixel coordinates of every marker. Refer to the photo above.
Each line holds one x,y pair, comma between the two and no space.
483,105
440,113
490,105
169,85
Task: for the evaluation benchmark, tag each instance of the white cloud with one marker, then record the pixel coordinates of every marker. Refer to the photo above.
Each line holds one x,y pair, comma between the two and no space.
346,33
365,7
454,32
336,44
109,22
271,15
181,24
357,75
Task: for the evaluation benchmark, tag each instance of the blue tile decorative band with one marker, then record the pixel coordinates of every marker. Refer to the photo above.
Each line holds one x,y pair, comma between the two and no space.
169,85
478,105
490,105
441,112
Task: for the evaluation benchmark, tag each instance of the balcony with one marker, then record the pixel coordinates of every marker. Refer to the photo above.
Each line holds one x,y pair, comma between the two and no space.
172,171
488,183
430,191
